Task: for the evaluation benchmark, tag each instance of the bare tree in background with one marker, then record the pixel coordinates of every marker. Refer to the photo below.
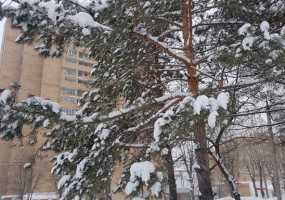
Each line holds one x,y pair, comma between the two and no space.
27,181
186,158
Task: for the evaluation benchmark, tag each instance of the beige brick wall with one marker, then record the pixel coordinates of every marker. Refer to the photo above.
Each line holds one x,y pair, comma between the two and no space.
31,73
37,76
41,77
9,62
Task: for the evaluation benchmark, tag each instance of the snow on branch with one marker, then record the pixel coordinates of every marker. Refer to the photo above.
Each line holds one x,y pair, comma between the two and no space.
4,96
44,103
141,173
84,19
123,111
200,103
167,49
163,46
252,36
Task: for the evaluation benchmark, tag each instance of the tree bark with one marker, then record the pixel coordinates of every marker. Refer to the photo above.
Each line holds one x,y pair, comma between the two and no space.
201,153
254,186
261,180
229,178
202,159
273,185
265,183
274,155
253,181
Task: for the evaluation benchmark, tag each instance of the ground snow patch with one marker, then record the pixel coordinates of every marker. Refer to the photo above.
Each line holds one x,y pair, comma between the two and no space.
247,198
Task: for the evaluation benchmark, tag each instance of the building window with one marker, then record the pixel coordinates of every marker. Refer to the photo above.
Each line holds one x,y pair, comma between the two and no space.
70,79
73,92
70,75
82,81
71,52
83,73
69,72
83,55
69,91
69,111
71,60
84,63
70,100
73,75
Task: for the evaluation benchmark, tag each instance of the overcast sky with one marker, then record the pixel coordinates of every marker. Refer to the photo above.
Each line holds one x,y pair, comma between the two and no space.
1,32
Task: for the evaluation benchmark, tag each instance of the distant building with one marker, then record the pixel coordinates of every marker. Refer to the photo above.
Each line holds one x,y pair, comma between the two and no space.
58,79
248,159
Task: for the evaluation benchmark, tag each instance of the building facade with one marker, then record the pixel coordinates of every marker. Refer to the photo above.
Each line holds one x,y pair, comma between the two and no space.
58,79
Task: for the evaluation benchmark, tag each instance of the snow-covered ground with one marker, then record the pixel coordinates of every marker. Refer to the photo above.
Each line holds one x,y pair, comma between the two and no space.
248,198
34,196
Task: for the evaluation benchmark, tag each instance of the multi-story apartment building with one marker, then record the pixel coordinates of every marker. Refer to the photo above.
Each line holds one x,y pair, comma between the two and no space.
58,79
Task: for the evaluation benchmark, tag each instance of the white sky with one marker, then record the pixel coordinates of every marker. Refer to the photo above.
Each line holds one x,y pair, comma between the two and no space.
1,31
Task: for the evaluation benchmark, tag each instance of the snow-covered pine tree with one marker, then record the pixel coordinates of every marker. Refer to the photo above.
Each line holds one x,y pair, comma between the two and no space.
143,49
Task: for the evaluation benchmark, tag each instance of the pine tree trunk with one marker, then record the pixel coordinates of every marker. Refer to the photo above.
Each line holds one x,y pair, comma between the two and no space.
202,159
171,176
201,153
